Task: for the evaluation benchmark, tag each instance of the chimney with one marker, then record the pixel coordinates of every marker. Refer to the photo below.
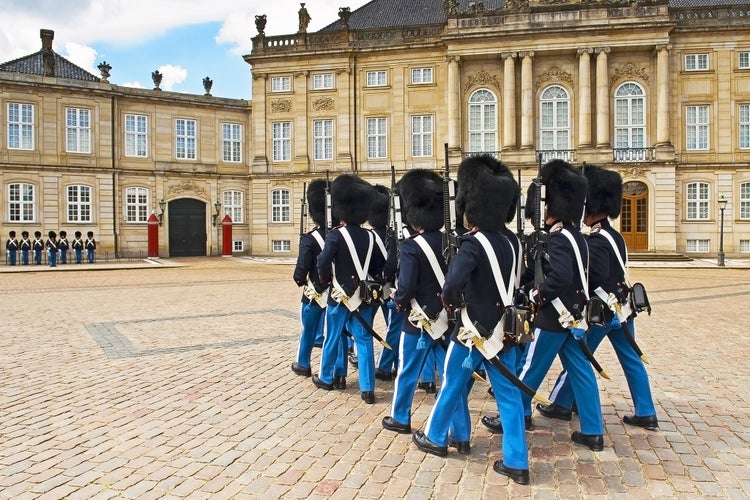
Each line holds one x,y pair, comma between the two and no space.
47,37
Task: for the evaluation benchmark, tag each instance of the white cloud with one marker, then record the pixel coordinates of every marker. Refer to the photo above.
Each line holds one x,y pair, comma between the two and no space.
172,75
82,55
234,31
136,84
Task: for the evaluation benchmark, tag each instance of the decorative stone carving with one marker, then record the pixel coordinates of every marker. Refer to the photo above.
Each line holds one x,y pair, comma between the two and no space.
207,84
156,77
260,76
449,59
281,105
186,187
555,75
506,55
323,104
585,50
104,69
450,7
304,18
260,24
481,79
344,14
628,71
516,5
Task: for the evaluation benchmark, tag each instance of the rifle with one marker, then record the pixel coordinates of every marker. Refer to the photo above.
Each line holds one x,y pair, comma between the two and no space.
540,235
328,213
303,212
450,240
395,223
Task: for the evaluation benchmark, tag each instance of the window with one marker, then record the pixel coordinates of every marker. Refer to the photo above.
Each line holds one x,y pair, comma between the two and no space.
21,202
376,79
20,126
281,84
77,130
630,122
698,246
697,127
136,135
323,139
744,246
280,208
421,135
232,201
231,142
282,246
323,81
482,121
554,125
377,137
281,135
745,201
744,62
79,204
238,246
696,62
697,201
421,75
136,204
185,139
745,126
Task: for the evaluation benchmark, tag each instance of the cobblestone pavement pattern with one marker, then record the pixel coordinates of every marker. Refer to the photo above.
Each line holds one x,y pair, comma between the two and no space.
175,383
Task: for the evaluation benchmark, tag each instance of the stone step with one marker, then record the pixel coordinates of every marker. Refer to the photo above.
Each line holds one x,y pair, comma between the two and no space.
658,257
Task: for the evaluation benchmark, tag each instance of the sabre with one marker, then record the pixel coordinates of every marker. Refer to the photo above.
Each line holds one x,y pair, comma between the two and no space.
629,335
590,356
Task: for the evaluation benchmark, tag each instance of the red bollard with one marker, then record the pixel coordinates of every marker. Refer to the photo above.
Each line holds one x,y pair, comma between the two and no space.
153,236
226,236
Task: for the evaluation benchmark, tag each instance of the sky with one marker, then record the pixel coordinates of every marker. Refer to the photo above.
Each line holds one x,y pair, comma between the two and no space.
186,40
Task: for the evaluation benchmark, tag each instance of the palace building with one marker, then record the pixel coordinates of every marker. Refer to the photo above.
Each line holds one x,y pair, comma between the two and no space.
658,90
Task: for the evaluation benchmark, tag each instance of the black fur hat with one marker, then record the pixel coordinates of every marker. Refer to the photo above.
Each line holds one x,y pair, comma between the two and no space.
421,192
316,201
605,191
378,217
566,191
351,198
486,193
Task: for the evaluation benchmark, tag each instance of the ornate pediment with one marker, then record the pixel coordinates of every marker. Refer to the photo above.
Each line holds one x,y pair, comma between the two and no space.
323,104
189,187
555,75
483,78
281,105
628,71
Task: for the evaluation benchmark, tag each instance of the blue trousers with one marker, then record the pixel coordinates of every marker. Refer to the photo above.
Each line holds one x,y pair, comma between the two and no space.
90,255
431,364
413,351
394,319
333,359
63,256
79,254
37,256
632,366
52,258
538,359
24,257
12,257
312,317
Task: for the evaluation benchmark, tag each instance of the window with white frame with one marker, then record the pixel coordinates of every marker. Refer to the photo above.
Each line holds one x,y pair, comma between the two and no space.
322,81
744,126
696,62
377,137
745,201
280,205
376,79
698,246
554,123
744,60
281,84
421,75
697,201
231,142
323,139
238,246
233,206
630,122
20,126
136,135
281,137
744,246
78,130
421,135
136,204
482,121
185,139
21,202
282,245
79,203
696,123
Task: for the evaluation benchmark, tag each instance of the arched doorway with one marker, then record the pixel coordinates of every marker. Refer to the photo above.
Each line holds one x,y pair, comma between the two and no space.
634,216
187,228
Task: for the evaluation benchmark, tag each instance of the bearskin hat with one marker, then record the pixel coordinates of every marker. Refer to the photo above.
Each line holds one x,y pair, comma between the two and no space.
486,192
316,201
605,191
421,193
351,198
378,217
566,190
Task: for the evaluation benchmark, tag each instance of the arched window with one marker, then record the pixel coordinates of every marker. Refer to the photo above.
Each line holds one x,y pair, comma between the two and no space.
136,204
280,205
482,121
79,203
630,122
554,122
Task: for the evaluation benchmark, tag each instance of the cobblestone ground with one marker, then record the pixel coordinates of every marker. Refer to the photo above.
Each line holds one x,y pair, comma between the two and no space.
175,382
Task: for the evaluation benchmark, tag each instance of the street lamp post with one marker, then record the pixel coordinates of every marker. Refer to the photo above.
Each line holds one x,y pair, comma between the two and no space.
722,206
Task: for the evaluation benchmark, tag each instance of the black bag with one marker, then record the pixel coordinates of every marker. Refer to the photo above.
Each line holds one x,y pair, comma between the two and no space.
371,292
640,298
516,323
598,312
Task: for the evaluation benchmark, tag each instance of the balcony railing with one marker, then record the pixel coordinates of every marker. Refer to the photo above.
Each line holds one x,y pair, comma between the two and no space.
626,155
469,154
568,155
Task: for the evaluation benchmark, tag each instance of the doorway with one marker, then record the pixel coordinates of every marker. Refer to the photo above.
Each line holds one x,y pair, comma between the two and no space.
634,216
187,228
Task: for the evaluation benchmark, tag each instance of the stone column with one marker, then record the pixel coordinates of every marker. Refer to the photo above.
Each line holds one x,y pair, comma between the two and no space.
454,95
602,98
527,100
662,94
509,100
300,137
584,93
260,109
